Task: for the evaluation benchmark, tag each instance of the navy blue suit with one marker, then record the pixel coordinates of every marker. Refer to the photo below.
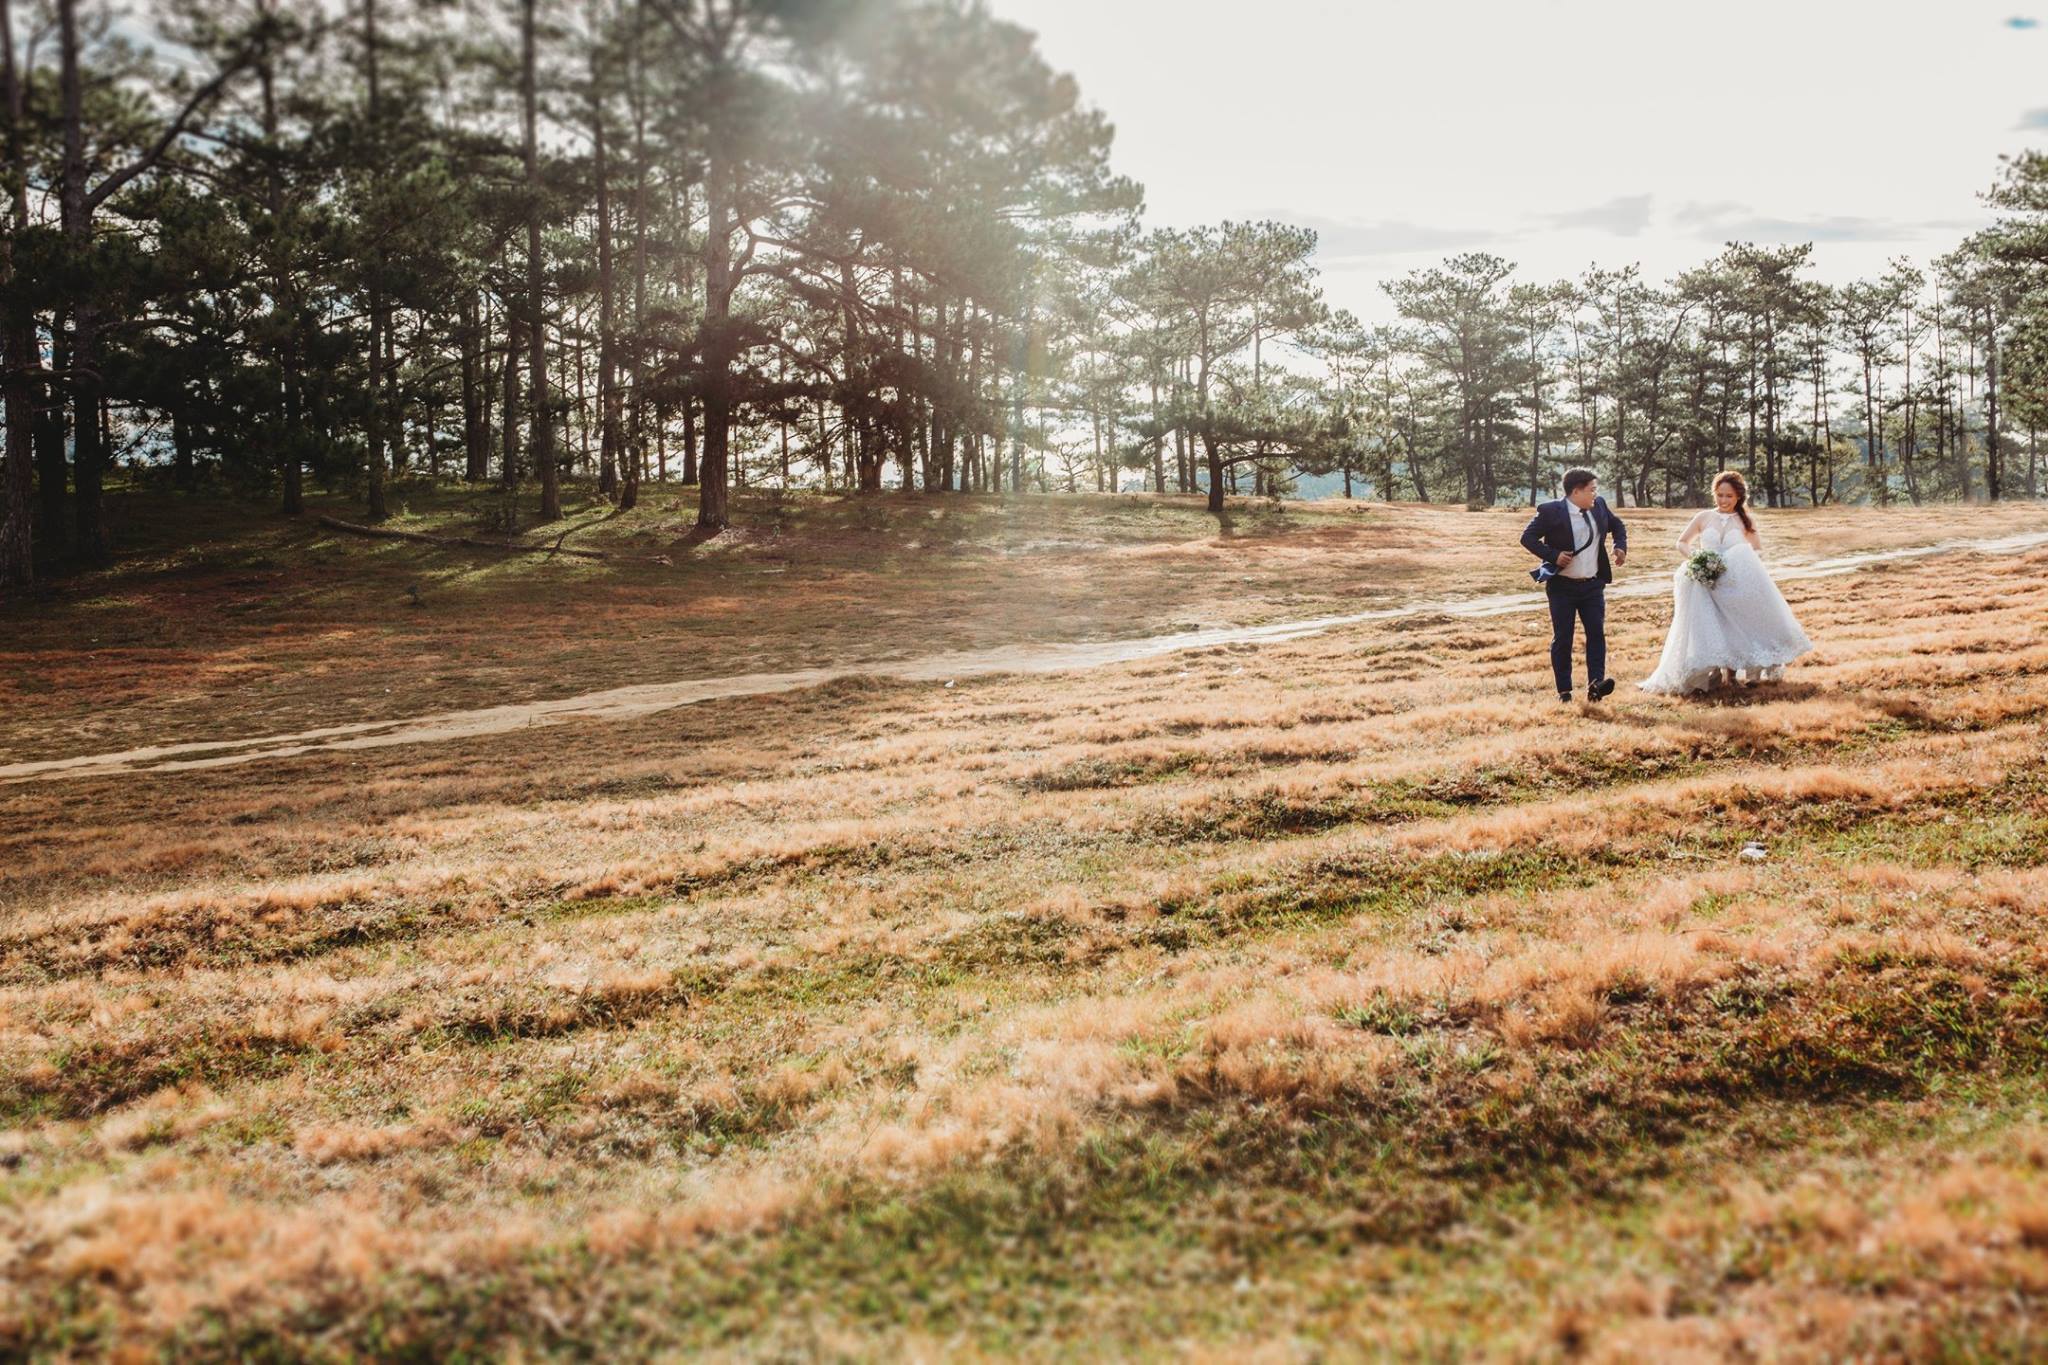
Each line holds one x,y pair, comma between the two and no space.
1554,529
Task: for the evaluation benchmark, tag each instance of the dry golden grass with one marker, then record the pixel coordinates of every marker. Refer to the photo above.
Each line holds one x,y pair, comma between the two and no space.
1263,998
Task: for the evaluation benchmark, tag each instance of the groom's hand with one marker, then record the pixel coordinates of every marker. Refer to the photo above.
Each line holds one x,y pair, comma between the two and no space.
1564,559
1620,558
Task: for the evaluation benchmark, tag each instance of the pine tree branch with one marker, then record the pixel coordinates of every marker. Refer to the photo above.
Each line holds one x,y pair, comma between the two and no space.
175,129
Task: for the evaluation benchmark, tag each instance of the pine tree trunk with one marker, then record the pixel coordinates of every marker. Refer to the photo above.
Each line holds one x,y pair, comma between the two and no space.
712,512
1210,450
947,344
87,384
183,475
900,412
1158,441
607,344
475,433
692,471
1994,472
582,409
541,427
379,320
18,344
394,407
52,475
17,515
1909,437
294,500
434,402
509,470
634,442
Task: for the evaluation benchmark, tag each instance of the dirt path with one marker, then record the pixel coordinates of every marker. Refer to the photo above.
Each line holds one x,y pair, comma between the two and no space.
624,703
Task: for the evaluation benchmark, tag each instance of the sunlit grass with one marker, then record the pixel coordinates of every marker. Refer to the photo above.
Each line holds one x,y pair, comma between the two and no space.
1334,994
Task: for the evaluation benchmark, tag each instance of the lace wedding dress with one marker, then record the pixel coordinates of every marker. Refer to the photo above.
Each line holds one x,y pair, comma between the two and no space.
1741,623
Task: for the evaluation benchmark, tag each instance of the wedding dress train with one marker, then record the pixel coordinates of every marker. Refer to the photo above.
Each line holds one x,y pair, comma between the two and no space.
1739,624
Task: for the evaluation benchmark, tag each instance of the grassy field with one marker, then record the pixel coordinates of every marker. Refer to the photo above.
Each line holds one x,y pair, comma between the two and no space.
1340,995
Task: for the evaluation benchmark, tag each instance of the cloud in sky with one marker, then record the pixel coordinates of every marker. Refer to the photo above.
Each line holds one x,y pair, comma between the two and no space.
1725,221
1342,243
1555,134
1624,215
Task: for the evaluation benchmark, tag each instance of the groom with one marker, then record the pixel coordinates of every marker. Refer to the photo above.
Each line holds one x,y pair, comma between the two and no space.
1570,537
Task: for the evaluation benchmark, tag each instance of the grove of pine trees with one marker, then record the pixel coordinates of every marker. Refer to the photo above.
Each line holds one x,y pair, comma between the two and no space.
849,245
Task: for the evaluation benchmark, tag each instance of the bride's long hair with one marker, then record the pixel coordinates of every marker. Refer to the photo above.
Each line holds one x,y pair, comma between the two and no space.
1741,487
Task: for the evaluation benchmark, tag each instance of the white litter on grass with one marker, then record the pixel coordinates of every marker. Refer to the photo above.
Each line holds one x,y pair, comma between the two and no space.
1753,853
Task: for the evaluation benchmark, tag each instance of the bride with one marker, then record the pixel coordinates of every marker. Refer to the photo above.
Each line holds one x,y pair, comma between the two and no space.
1741,623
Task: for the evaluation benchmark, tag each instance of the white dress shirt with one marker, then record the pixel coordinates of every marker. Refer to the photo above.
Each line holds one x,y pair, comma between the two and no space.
1585,563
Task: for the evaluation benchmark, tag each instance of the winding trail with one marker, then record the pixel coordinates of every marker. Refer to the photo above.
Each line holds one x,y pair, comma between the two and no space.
625,703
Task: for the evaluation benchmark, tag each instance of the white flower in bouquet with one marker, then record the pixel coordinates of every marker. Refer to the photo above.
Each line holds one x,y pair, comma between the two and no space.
1706,567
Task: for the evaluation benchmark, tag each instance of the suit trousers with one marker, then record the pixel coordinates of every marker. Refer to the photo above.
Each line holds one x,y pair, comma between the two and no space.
1577,600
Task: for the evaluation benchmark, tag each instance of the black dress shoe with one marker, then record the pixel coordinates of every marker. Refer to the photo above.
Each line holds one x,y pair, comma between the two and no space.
1565,697
1603,688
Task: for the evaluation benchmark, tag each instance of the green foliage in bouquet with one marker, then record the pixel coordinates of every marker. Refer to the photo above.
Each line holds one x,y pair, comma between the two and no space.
1706,566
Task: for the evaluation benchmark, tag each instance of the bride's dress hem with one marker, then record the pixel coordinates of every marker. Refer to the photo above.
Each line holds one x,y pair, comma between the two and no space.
1740,625
1702,680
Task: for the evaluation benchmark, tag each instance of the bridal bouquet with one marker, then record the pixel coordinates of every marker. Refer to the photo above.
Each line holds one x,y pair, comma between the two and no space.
1706,567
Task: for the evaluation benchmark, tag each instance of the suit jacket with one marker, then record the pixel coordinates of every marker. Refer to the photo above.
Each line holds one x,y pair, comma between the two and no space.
1549,533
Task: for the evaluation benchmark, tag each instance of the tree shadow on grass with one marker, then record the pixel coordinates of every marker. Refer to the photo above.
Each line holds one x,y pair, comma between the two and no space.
694,537
1720,699
1743,695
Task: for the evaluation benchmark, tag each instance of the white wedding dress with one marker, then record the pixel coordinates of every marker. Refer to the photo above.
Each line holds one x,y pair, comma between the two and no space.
1741,623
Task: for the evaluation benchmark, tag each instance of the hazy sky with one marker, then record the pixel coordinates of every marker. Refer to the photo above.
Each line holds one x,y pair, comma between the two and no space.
1558,133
